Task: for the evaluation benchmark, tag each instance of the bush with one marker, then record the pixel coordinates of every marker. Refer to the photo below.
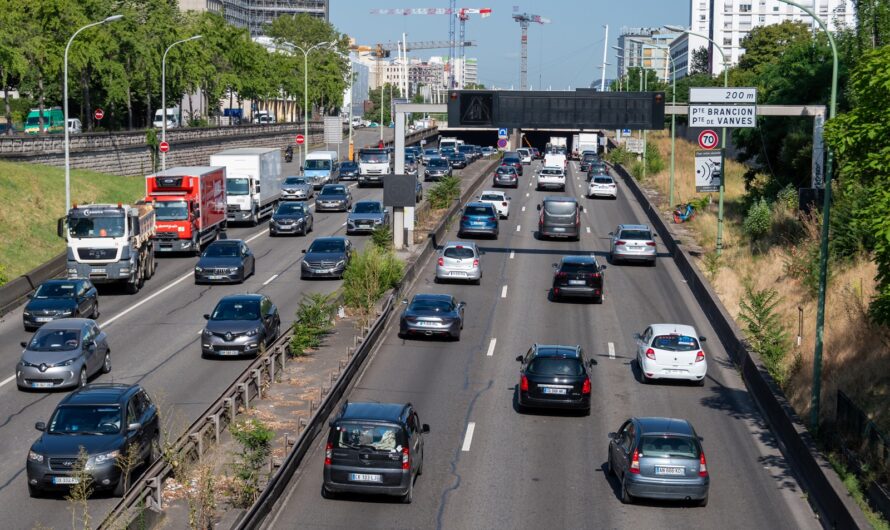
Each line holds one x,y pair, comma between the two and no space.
758,221
4,278
787,197
313,321
381,237
255,439
619,155
654,161
370,273
444,193
765,331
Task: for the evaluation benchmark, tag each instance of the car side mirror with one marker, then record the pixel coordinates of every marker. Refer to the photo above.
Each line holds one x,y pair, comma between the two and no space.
602,267
582,208
91,345
425,428
654,236
40,426
24,344
303,251
592,362
637,336
135,426
611,233
555,265
301,167
519,358
31,296
539,207
206,316
702,339
613,435
462,304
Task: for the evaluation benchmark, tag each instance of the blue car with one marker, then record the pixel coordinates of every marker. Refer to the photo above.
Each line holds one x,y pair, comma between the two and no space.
479,218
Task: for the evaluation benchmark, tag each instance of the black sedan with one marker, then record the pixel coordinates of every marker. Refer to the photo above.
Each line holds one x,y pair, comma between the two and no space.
457,160
553,376
60,299
432,315
226,261
513,161
291,218
349,170
326,257
333,198
578,276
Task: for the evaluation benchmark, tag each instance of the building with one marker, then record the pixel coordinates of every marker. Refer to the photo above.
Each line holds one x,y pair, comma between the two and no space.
681,51
256,14
646,47
727,22
463,75
361,78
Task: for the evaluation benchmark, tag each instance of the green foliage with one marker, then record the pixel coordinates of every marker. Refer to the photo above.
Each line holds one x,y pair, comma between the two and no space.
880,306
700,63
444,193
370,273
313,321
255,441
4,278
855,487
802,263
713,264
787,197
619,156
390,92
152,140
381,237
654,161
758,221
764,329
700,203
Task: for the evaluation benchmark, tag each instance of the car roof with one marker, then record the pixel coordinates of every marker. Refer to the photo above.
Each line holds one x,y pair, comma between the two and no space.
369,201
294,177
433,296
222,242
459,244
496,192
556,350
62,281
560,198
373,411
561,170
653,425
65,323
579,259
242,297
99,394
478,203
633,227
673,329
330,238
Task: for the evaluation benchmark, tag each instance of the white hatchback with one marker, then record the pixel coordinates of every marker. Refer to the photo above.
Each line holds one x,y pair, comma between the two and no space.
499,200
671,351
602,186
551,177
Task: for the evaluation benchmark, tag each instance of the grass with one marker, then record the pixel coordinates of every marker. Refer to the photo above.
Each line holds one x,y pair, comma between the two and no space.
33,198
855,487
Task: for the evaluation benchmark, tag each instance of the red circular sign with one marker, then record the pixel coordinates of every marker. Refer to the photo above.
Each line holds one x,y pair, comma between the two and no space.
300,139
99,114
163,147
708,139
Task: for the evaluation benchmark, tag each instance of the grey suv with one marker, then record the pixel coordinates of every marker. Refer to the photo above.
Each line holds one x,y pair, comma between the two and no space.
240,324
560,217
632,243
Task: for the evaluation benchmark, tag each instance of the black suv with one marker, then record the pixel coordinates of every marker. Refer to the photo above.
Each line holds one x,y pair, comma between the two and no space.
578,276
554,376
103,419
60,299
374,448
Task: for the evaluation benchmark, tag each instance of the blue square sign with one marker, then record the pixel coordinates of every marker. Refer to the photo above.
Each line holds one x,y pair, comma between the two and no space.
502,132
625,132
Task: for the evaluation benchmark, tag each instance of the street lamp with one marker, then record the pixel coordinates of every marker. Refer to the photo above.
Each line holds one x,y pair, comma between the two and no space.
112,18
673,118
164,96
351,101
823,252
306,53
722,136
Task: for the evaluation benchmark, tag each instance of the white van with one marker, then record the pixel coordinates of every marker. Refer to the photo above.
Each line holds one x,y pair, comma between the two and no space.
173,118
321,167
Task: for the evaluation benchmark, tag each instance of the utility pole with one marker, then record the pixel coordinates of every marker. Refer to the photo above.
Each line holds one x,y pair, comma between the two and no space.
605,49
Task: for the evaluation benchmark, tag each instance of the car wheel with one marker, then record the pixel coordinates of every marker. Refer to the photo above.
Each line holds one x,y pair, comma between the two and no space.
326,493
598,300
700,382
477,281
154,452
409,496
651,263
420,467
436,279
30,328
703,502
34,492
626,497
82,379
612,259
456,337
119,488
609,469
106,364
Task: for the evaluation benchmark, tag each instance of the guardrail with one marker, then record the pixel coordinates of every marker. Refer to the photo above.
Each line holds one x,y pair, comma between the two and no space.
14,291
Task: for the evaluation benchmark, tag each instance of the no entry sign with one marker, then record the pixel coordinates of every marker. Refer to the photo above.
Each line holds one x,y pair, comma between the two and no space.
300,139
99,114
163,147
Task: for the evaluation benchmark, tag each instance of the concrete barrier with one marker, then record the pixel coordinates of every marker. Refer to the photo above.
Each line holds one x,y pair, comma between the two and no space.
14,292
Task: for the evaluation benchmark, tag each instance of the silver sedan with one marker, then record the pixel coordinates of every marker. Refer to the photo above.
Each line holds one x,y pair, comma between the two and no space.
63,354
296,189
632,243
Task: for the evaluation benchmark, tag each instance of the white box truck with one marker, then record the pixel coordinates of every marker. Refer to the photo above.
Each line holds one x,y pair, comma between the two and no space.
585,142
253,182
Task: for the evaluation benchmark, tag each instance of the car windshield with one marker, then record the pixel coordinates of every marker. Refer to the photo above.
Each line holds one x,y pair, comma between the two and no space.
574,266
602,180
224,250
506,170
327,246
431,152
477,210
290,209
373,158
437,163
668,446
459,253
90,227
86,419
427,304
355,435
588,157
348,166
294,181
555,366
410,159
675,343
237,186
333,190
236,310
637,235
492,197
559,207
56,290
367,207
55,340
171,210
511,160
317,164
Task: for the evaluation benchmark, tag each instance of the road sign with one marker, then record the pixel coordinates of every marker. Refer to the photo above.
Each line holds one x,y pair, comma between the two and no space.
708,170
502,132
634,145
300,139
708,139
163,147
333,130
99,114
502,143
625,132
723,116
723,95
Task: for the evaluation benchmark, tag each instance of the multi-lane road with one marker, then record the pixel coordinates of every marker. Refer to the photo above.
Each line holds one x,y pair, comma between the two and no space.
487,466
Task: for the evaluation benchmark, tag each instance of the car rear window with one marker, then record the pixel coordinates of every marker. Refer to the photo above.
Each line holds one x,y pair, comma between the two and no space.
492,197
636,234
578,267
555,366
675,343
459,252
504,170
668,446
355,435
602,180
478,210
554,172
560,207
511,160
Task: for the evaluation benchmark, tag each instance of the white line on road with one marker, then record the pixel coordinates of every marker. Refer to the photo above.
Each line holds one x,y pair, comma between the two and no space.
588,229
9,379
148,298
518,228
527,194
468,438
270,280
512,254
523,208
491,347
530,184
344,223
504,292
611,350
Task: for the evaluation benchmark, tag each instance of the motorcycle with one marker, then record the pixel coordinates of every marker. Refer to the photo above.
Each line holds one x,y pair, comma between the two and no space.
683,213
289,154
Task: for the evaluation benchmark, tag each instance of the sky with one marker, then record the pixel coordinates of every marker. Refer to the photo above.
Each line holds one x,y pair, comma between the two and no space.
566,53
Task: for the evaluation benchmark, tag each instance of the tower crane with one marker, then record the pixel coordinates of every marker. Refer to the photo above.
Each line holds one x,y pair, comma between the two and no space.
524,19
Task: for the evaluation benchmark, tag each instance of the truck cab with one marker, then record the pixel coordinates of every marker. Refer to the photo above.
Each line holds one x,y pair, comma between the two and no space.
172,116
253,182
373,164
190,207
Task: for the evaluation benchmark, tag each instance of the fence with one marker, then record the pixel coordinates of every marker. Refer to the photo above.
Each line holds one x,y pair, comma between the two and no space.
865,448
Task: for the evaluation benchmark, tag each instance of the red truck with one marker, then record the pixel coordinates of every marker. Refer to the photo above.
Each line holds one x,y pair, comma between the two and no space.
190,207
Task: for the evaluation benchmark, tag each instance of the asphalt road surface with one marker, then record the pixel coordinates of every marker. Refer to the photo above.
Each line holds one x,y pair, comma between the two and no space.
486,466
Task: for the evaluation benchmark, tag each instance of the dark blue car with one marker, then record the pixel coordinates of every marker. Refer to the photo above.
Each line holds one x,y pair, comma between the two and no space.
479,218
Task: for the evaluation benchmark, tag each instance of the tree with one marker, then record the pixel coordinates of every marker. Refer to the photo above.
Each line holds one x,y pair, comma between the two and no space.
701,61
390,92
12,59
765,45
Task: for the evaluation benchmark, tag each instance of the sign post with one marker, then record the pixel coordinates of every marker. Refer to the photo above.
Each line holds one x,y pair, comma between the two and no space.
300,139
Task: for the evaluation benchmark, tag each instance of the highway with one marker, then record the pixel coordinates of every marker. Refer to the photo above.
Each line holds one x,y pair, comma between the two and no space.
486,466
154,337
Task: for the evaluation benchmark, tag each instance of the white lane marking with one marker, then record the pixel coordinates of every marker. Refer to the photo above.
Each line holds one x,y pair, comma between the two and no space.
588,229
491,347
523,208
512,254
9,379
200,331
468,438
527,194
611,350
518,228
504,292
258,234
148,299
270,280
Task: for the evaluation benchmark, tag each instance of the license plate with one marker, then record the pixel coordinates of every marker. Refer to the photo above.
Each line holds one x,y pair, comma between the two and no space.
42,384
459,274
228,352
364,477
559,229
43,319
214,277
97,271
65,480
675,371
577,282
425,324
550,390
669,470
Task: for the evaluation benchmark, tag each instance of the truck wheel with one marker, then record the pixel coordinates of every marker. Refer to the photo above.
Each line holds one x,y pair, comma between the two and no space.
132,287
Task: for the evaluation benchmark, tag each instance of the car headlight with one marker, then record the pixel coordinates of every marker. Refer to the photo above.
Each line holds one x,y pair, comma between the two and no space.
35,457
206,333
101,458
234,269
341,263
199,269
69,362
378,221
26,313
252,333
65,312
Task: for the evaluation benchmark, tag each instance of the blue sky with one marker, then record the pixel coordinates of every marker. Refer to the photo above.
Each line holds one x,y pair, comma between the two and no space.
566,52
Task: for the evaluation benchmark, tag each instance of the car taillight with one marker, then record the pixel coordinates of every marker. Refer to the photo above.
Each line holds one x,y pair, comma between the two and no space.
594,275
585,389
405,458
650,353
476,262
620,242
492,219
523,383
465,218
650,243
635,462
700,356
702,465
561,275
441,262
578,217
328,449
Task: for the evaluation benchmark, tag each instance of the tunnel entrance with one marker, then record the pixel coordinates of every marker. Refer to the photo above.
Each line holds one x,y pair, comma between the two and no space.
480,137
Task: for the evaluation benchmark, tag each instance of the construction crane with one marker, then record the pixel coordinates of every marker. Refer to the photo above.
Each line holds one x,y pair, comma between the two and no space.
461,15
524,20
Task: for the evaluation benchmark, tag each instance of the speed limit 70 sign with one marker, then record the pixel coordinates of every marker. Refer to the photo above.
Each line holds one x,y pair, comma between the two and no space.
708,139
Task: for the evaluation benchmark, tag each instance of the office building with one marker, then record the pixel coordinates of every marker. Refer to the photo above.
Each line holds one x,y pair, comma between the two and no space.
257,14
646,47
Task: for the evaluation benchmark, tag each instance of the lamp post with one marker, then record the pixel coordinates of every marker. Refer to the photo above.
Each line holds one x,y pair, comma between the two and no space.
164,96
351,101
306,53
112,18
673,119
823,251
722,135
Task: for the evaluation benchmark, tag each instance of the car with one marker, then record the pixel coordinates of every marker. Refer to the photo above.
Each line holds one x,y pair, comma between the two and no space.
437,168
291,218
671,351
597,167
373,124
658,458
560,217
631,242
446,152
468,151
457,160
554,376
505,176
56,299
414,150
551,177
297,189
578,277
479,218
429,153
63,353
74,126
224,261
240,324
349,170
411,164
499,200
487,151
512,159
432,315
537,154
104,421
602,186
366,216
333,198
326,257
459,260
525,155
587,158
374,448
